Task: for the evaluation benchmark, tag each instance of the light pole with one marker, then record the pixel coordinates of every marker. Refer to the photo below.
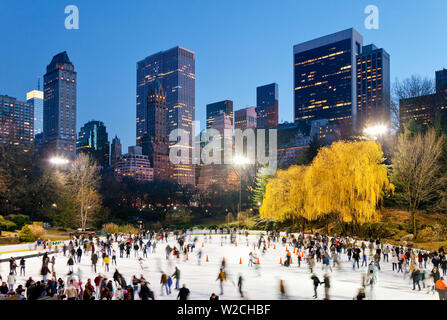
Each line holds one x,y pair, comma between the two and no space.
240,161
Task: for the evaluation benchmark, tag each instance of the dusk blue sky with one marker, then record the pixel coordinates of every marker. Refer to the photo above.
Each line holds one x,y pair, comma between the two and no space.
239,45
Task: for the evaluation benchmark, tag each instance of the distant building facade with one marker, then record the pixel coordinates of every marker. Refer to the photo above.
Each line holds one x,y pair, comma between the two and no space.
267,106
441,89
134,165
245,118
220,175
36,98
94,141
214,110
424,109
16,122
115,151
421,109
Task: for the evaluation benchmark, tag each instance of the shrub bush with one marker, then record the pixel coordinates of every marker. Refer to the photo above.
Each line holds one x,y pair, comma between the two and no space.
427,234
111,228
19,219
26,235
129,229
37,229
7,225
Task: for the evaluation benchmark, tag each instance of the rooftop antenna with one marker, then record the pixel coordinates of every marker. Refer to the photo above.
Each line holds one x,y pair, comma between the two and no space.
38,83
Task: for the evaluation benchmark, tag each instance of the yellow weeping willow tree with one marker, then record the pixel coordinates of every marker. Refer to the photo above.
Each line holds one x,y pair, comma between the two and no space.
347,178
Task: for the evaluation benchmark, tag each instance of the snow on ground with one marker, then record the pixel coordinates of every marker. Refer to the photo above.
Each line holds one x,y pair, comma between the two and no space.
201,278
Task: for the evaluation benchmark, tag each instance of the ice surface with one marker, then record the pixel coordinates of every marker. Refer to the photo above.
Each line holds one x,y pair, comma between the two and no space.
201,278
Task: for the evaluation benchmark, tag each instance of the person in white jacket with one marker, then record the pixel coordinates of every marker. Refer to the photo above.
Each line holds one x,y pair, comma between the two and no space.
394,261
11,281
119,294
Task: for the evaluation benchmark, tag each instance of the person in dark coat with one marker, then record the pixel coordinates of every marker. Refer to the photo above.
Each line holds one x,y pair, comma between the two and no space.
183,293
327,286
94,259
214,297
435,276
416,276
316,282
145,292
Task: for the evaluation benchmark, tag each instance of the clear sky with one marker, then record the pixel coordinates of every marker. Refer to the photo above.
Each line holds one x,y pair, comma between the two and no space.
239,44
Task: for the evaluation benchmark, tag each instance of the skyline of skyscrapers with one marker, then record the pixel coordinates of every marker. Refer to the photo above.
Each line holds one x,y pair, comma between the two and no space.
175,69
94,141
59,122
336,78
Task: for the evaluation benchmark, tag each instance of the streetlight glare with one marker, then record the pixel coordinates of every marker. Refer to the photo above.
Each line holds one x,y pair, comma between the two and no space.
376,130
59,161
240,160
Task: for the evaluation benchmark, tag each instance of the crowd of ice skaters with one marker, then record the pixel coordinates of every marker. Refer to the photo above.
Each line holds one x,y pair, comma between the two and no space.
424,269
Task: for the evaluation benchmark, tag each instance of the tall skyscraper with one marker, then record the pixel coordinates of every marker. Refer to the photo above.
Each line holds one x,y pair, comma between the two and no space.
115,151
245,118
36,98
155,142
325,78
94,141
373,87
214,110
59,114
267,106
175,69
16,122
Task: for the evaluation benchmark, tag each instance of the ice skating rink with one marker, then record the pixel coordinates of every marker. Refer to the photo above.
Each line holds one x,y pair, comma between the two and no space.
260,283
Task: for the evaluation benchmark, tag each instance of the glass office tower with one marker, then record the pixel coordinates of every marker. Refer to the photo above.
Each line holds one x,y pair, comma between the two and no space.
214,110
373,87
175,69
94,141
36,98
325,78
267,106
